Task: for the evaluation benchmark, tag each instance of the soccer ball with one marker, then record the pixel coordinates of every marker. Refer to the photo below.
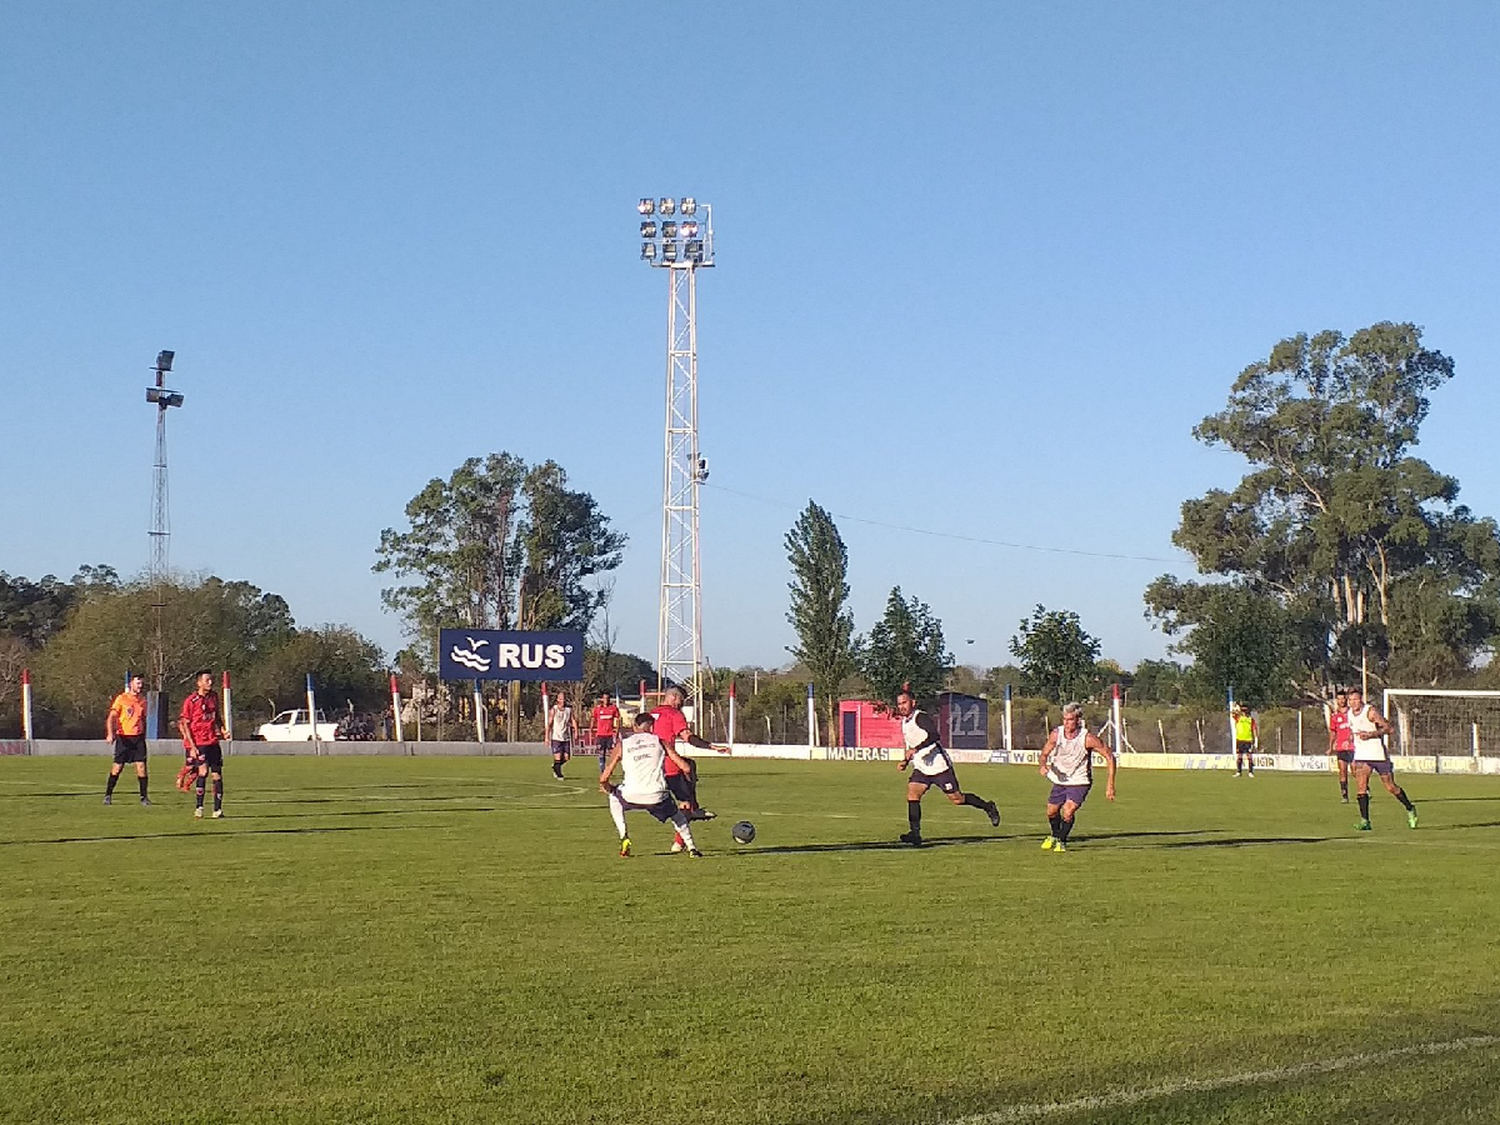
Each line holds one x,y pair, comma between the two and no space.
743,832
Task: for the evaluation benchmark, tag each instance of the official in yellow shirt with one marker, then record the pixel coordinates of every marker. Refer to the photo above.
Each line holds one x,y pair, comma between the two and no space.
125,726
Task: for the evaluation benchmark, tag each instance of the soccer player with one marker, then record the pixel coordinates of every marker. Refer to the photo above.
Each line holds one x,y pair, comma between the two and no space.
125,726
643,758
202,726
672,728
1341,740
562,729
1244,738
606,726
1068,761
1370,756
930,765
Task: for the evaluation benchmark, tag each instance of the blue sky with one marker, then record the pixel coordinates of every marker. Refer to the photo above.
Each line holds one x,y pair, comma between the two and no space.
982,266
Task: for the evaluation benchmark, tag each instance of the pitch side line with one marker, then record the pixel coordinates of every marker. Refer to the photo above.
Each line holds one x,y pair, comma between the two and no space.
1118,1099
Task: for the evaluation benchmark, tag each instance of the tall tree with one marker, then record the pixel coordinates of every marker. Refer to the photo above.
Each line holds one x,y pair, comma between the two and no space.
1057,657
1357,539
819,608
905,647
1239,640
497,545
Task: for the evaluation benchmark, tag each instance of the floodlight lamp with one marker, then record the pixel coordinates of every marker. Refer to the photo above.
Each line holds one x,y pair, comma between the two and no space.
173,398
667,206
669,230
689,205
164,360
669,251
694,248
689,229
648,230
646,206
648,251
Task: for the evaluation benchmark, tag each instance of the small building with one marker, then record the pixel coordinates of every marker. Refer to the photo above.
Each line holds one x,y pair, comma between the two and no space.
964,721
862,723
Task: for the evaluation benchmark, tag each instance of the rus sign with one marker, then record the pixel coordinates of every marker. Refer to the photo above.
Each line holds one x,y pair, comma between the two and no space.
509,654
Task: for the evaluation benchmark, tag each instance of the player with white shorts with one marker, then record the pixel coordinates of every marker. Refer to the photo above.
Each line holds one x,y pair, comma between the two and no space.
642,758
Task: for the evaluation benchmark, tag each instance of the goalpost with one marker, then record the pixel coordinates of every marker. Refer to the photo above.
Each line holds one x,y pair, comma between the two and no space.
1444,724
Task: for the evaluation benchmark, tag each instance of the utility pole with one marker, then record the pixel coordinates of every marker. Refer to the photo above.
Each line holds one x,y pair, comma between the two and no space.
163,399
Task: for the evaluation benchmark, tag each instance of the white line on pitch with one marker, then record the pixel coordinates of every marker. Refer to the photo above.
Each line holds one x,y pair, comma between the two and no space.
1116,1099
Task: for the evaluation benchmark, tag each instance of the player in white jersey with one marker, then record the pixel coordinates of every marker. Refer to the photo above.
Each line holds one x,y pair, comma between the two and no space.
1370,727
1068,762
643,760
562,732
930,765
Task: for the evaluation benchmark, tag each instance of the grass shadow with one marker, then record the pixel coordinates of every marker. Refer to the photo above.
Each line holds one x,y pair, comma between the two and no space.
874,845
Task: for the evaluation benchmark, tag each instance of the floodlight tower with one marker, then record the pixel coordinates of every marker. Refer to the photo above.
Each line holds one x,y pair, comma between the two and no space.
677,235
162,399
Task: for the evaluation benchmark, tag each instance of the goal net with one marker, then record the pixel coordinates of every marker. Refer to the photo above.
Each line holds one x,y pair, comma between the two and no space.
1450,724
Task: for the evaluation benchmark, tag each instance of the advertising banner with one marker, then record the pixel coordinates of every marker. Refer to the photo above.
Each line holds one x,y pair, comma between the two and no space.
511,654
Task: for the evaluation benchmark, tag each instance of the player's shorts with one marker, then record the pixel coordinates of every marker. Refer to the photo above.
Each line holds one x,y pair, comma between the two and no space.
130,748
1384,767
1345,756
1244,747
606,744
562,746
213,757
663,810
947,781
1062,794
682,787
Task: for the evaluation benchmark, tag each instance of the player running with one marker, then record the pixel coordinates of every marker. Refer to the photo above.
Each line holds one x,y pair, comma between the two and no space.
1341,740
202,726
125,726
930,765
1370,756
1068,761
643,758
682,781
606,726
562,731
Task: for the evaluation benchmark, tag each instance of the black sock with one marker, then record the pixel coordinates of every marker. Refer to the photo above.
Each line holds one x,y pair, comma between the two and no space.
109,786
142,780
1364,806
976,801
218,793
1344,788
1064,830
1055,821
1405,800
198,791
914,815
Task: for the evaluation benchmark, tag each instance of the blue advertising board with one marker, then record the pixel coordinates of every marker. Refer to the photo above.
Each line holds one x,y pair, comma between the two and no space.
510,654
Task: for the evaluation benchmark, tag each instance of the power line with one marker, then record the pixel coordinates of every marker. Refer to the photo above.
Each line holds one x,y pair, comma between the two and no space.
953,535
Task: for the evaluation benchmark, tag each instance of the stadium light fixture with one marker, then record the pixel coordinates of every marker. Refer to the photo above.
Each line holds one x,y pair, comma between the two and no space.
673,242
646,206
689,205
164,360
689,229
648,251
669,230
667,206
648,230
669,251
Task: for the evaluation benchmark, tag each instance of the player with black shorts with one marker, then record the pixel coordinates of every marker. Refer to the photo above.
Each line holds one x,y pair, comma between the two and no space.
606,726
202,727
930,765
125,726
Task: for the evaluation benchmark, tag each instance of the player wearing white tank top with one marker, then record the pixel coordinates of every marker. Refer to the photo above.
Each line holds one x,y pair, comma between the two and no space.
643,758
1370,727
1068,762
930,765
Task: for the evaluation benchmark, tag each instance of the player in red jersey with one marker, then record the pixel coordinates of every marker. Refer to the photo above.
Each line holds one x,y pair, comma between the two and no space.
672,727
606,719
1341,740
202,726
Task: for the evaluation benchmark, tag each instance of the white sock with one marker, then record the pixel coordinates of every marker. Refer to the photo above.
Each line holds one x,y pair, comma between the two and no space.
680,822
617,810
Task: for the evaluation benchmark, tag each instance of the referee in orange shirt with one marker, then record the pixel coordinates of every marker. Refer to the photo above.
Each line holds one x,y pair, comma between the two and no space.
125,726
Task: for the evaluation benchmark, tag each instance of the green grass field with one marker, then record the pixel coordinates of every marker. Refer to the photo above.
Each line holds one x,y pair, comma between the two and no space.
455,940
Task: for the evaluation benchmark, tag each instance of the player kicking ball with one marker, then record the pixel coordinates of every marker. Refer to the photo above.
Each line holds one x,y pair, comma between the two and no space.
643,758
1068,762
930,765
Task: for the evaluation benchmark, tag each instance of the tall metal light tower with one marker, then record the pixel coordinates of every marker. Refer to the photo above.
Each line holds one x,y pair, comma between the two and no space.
160,519
678,236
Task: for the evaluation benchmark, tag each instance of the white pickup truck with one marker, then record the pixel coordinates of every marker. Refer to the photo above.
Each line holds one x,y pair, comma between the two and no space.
292,726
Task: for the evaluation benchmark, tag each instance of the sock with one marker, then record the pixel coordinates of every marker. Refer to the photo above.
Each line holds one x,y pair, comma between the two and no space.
976,801
914,815
1055,823
1344,788
142,780
218,793
198,789
617,811
1405,800
109,786
1065,829
1364,806
680,822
